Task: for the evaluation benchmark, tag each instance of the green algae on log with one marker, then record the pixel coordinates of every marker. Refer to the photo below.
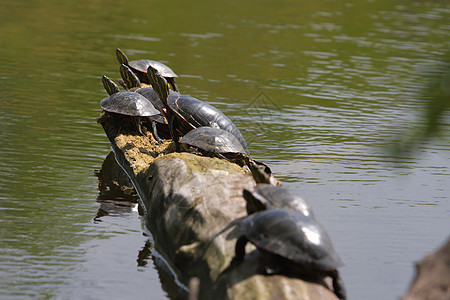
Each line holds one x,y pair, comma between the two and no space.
188,200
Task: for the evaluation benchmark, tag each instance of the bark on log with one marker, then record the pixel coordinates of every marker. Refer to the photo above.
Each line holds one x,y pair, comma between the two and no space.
432,280
188,200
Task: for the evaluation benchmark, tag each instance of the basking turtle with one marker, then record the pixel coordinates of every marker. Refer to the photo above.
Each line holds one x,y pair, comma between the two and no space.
199,113
191,110
291,243
267,196
215,142
139,67
129,104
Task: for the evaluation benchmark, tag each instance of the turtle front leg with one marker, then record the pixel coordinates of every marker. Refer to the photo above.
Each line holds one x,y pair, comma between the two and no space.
173,132
240,250
138,125
155,133
338,285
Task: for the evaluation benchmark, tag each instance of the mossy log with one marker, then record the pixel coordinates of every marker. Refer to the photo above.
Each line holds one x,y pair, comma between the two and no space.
188,201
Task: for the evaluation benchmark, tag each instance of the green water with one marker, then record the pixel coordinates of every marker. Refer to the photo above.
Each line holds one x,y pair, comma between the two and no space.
318,88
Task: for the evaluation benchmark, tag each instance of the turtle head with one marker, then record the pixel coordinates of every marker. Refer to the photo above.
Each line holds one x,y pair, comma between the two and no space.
121,57
109,85
255,202
130,79
159,84
261,172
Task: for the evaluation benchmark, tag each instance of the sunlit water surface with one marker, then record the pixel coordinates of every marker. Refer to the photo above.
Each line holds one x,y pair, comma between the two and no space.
319,89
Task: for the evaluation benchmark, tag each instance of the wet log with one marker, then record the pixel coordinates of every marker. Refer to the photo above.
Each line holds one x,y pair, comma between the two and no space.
188,200
432,278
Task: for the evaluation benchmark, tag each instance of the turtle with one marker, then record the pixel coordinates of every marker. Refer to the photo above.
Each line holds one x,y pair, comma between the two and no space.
192,110
129,104
216,142
139,67
266,196
212,141
199,113
290,243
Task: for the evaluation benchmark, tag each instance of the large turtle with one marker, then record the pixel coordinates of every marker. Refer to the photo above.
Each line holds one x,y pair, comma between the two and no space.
191,110
131,104
267,196
199,113
139,67
290,243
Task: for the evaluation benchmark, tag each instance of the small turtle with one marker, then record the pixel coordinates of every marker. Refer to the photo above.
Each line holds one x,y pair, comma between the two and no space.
191,110
139,67
214,141
129,104
266,196
291,243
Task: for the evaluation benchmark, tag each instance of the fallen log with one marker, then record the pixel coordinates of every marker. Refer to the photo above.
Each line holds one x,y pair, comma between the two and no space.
432,279
188,200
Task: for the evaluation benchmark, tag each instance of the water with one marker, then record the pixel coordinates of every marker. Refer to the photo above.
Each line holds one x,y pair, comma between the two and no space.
319,89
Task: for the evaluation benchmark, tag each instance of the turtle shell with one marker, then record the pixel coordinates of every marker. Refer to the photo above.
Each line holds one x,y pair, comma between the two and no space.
129,103
151,95
199,113
267,196
292,236
213,140
142,65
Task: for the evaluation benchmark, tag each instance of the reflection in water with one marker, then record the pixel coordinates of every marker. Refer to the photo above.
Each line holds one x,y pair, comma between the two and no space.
117,196
174,288
113,182
144,254
116,192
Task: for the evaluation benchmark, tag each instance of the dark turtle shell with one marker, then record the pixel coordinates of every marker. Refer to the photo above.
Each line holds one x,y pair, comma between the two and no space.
214,140
293,236
199,114
129,103
142,65
267,196
151,95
